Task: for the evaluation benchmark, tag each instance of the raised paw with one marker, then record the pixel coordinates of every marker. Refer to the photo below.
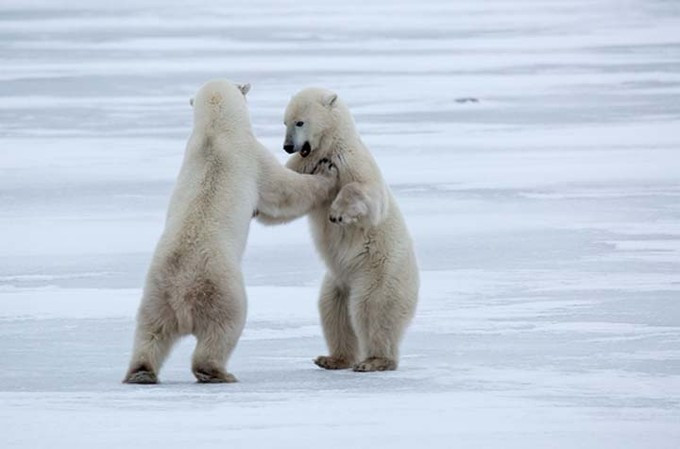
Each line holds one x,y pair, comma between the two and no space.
375,364
141,376
328,362
343,213
349,206
208,375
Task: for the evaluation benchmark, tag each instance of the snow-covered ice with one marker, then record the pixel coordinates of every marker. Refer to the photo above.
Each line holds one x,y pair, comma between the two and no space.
546,218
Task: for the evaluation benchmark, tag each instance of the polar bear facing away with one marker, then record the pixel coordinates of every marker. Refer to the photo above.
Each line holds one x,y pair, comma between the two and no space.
370,290
194,285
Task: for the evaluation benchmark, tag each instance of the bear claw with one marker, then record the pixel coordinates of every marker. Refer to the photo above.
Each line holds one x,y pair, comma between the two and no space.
332,363
213,376
141,377
375,364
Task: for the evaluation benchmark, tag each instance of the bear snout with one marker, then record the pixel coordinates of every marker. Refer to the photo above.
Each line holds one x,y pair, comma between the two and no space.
289,148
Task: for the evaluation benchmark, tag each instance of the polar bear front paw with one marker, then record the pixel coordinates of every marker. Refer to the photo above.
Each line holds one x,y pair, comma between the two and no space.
344,212
349,206
325,167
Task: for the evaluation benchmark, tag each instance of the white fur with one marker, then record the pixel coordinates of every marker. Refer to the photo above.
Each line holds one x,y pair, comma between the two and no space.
194,285
370,291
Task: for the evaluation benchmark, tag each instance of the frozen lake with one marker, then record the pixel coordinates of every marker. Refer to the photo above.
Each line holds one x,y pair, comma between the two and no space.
546,217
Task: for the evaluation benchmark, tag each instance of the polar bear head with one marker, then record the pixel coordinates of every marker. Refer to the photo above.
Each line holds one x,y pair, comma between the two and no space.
221,102
312,118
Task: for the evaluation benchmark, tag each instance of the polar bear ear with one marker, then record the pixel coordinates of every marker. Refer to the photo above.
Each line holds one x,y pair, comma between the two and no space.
329,100
191,102
244,88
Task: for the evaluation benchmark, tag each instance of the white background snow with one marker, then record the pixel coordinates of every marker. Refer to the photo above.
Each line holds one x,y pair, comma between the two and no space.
546,218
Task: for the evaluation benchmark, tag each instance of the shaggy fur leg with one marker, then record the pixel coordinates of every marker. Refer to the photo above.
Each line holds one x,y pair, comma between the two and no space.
153,342
337,328
215,345
379,319
220,328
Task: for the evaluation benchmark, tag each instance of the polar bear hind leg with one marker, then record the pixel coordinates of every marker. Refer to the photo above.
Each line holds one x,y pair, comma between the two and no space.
218,324
337,328
379,326
156,332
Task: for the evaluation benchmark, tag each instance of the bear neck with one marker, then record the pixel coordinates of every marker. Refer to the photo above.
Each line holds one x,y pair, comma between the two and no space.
209,140
232,122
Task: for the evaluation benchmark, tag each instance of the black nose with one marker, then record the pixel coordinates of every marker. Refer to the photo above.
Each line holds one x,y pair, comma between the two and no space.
289,148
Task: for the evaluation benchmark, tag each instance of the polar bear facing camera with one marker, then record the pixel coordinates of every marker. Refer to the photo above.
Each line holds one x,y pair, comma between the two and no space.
370,290
194,285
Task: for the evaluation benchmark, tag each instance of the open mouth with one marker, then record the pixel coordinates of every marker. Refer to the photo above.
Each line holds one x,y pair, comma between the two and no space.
306,149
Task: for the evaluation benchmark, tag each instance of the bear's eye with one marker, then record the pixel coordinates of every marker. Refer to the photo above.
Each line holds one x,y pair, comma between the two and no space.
299,124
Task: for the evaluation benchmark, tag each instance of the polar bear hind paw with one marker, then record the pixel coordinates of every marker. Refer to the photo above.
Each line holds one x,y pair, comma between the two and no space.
141,376
328,362
213,376
375,364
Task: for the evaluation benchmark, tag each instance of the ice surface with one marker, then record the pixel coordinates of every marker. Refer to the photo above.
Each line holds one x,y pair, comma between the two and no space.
546,218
